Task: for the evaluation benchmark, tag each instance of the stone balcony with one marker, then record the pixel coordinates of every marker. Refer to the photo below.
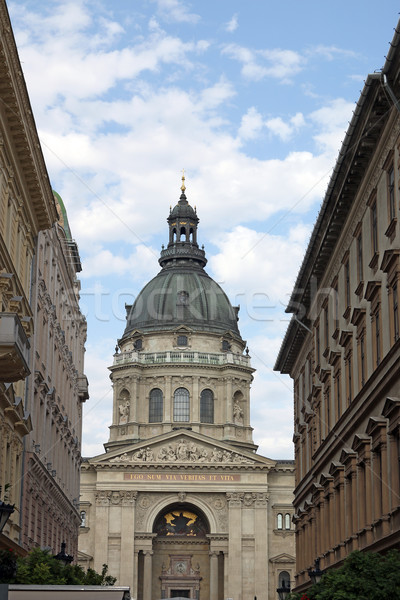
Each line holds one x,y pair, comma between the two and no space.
14,349
169,357
83,388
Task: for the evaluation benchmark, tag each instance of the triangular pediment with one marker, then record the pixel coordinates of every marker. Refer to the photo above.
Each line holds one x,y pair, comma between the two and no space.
283,558
182,448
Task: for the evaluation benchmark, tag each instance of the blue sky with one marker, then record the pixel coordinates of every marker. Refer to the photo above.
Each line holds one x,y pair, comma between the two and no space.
251,98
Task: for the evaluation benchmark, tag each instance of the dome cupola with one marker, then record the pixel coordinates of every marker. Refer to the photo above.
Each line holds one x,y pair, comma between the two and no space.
182,293
183,222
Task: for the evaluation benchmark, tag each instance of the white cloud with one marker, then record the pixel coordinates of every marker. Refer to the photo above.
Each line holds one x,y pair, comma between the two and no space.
332,122
232,24
259,64
259,268
174,10
331,52
142,263
251,124
285,130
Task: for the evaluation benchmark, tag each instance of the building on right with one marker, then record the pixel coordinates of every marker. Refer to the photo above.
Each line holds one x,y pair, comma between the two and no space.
342,346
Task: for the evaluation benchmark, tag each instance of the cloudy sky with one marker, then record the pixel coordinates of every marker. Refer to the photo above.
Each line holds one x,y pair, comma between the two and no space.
251,98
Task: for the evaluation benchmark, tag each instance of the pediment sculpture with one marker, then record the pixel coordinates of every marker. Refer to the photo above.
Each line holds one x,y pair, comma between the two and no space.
182,451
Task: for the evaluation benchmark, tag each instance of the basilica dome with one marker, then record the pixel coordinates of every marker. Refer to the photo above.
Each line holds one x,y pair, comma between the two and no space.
182,296
182,293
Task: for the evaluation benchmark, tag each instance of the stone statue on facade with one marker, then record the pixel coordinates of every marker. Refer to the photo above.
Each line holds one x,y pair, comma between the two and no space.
124,412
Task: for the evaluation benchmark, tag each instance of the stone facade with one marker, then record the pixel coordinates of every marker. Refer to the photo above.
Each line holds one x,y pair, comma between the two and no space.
342,347
57,389
181,503
26,207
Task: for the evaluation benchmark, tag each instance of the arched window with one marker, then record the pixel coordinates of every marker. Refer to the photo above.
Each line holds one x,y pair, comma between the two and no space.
207,406
83,518
279,521
156,406
181,404
287,521
284,580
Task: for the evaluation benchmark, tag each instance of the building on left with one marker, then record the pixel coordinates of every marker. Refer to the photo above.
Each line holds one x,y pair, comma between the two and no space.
40,321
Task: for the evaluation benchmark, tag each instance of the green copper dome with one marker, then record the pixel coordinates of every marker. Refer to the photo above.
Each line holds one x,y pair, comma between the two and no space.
182,296
182,293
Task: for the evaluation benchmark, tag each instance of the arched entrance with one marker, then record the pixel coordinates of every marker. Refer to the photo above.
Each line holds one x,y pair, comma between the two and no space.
181,553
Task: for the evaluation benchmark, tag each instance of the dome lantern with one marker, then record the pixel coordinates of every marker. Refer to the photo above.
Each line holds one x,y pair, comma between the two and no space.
182,222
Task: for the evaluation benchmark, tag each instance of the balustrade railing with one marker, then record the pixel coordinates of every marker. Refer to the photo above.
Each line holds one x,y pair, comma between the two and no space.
207,358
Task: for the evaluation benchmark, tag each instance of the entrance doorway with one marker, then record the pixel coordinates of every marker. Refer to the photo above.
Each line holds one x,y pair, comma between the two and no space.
179,594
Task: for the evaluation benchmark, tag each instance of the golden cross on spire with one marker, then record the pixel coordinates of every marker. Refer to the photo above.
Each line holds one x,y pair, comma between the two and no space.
183,187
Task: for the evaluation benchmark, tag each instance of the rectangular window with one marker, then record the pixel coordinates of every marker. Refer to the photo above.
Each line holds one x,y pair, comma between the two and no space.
337,392
392,207
362,359
360,266
328,410
349,380
326,319
317,345
336,303
378,337
395,313
374,227
347,282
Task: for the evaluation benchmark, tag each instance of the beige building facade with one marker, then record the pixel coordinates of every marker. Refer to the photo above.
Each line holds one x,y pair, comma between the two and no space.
57,387
181,504
342,347
26,207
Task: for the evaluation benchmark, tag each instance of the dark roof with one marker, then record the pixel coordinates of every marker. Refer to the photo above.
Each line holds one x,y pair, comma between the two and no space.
203,307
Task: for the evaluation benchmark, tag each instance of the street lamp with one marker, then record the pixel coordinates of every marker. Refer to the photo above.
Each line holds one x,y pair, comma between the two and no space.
5,511
283,591
315,574
65,558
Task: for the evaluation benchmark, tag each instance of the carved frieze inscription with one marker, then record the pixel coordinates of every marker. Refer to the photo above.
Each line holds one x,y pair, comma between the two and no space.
187,477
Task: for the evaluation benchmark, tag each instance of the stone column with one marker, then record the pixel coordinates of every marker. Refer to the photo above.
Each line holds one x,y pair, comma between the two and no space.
196,401
168,399
101,530
385,488
261,546
134,400
235,500
127,563
147,574
134,588
229,409
368,492
394,470
213,575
